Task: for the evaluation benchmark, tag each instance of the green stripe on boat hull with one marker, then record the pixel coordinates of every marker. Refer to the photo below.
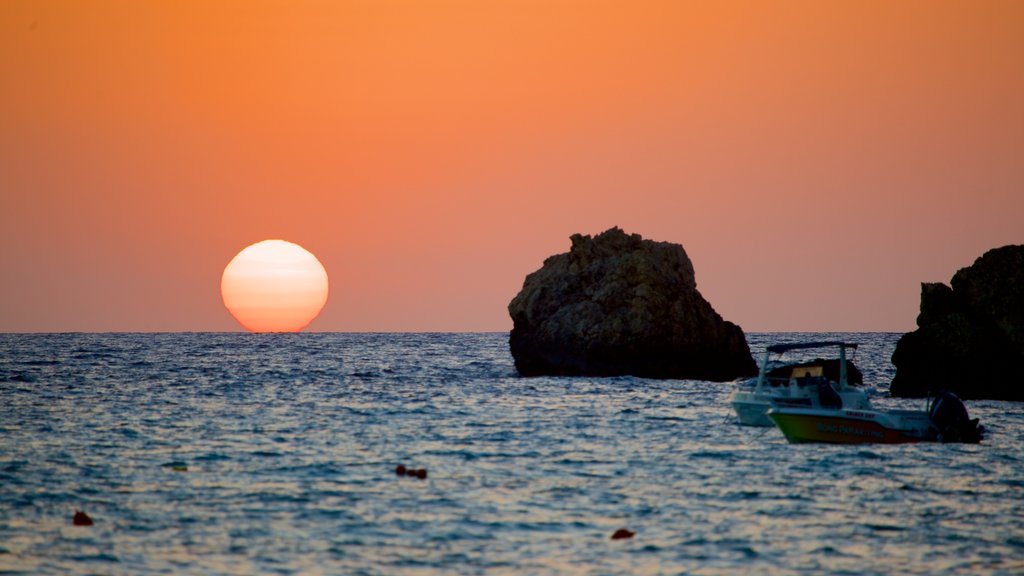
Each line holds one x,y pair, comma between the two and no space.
799,428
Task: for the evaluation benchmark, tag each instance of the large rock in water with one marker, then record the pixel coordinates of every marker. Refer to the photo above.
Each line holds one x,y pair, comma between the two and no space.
970,336
617,304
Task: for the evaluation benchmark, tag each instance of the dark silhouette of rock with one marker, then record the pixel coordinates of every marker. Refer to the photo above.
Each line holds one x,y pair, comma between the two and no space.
970,335
622,534
617,304
81,519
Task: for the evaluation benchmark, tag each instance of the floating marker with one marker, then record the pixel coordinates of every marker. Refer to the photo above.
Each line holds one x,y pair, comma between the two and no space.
420,473
81,519
622,534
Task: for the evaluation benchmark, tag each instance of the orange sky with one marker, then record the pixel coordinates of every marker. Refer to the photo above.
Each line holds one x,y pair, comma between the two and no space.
818,160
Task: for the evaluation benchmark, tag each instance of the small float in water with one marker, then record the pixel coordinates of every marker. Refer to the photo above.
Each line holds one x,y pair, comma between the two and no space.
944,420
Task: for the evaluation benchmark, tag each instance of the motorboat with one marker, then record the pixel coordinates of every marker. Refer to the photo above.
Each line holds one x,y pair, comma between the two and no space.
804,384
944,420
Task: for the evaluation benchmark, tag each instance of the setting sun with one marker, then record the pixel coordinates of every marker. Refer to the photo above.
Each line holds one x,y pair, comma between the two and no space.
274,286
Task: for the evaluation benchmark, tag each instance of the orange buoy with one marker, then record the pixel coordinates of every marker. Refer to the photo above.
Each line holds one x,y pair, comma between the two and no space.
421,473
400,470
81,519
622,534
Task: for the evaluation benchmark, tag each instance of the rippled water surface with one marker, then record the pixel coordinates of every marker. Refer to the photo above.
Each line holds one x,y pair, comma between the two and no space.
245,454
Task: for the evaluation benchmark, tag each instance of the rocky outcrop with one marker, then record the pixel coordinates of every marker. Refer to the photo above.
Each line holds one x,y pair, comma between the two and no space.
970,336
617,304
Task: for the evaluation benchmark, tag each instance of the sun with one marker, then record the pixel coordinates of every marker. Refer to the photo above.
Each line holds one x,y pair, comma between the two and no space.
274,286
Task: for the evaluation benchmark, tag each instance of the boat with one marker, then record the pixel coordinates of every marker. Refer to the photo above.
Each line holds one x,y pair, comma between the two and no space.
945,419
803,384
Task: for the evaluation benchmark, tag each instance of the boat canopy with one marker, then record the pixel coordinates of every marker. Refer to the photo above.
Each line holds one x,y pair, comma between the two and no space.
780,348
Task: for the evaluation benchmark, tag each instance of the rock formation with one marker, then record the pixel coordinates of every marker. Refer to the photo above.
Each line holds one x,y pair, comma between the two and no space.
617,304
970,336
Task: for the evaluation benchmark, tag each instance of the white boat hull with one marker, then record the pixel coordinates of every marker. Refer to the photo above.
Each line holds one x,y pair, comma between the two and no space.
752,412
752,408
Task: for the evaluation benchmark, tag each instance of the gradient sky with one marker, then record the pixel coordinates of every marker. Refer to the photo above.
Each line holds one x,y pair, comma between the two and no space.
817,160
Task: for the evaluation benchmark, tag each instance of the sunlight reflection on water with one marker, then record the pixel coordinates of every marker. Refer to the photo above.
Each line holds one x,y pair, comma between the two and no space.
286,447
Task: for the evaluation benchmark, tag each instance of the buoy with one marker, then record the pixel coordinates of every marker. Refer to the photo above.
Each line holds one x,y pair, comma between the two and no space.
81,519
622,534
179,468
420,473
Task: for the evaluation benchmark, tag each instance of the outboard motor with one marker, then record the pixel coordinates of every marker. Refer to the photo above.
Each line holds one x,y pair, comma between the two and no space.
949,416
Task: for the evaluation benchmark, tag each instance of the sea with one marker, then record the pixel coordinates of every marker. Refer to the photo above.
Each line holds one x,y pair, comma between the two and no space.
234,453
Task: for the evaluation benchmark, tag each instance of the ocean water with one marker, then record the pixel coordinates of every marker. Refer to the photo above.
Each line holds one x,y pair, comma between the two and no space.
276,454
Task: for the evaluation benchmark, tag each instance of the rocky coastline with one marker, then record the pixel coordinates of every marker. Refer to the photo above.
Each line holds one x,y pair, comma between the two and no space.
970,335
